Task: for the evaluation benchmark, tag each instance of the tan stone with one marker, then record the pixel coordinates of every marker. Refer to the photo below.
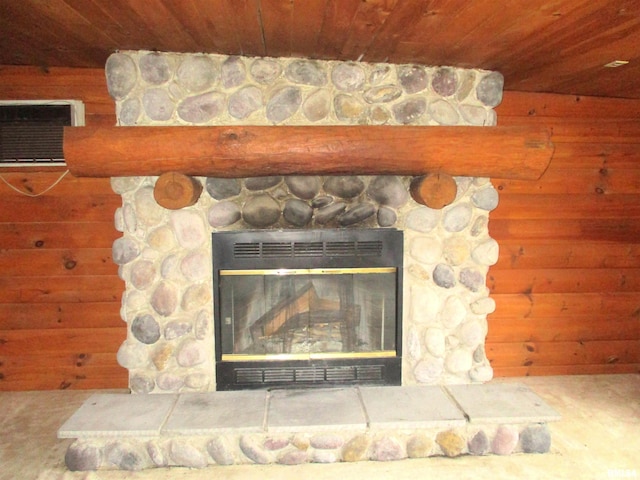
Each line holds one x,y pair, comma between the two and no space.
451,443
161,356
419,446
355,449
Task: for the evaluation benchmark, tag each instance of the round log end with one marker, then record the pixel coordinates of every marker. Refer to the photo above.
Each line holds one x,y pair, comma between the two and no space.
435,190
174,190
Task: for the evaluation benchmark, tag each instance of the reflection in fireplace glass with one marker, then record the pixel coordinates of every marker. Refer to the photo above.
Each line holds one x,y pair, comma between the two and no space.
308,313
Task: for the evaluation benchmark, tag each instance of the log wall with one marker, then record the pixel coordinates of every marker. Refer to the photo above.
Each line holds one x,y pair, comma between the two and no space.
567,285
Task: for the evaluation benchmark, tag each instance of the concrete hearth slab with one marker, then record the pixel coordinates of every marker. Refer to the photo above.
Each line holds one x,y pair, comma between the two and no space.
410,407
315,410
119,415
223,412
501,403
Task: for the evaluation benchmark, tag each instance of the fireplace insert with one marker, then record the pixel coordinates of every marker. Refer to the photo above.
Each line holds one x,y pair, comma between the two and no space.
306,308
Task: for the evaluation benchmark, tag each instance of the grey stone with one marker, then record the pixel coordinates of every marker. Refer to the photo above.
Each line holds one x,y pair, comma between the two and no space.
410,110
305,187
129,218
142,274
317,105
197,73
489,89
444,276
202,325
191,352
485,198
423,219
154,68
252,449
265,71
379,73
189,228
428,370
457,217
202,108
169,382
130,112
81,457
419,446
185,454
124,250
445,82
283,104
474,115
348,77
321,201
348,108
233,72
245,101
164,299
387,217
157,104
356,214
293,457
261,211
382,94
219,449
223,214
443,112
297,212
505,440
157,454
479,444
387,449
121,73
535,439
388,190
344,187
261,183
472,279
145,329
223,188
467,81
327,441
124,457
479,226
142,384
306,72
176,329
413,78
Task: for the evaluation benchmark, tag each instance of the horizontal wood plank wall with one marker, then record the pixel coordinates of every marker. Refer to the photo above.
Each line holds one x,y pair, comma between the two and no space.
567,282
60,323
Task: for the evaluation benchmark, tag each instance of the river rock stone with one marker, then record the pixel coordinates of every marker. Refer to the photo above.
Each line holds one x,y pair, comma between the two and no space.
306,72
444,113
413,78
202,108
297,212
142,274
132,355
305,187
481,374
355,449
356,214
293,457
505,440
423,219
348,108
535,439
317,105
170,267
141,384
276,443
283,104
157,104
426,250
81,457
197,72
195,266
162,355
124,250
479,444
256,184
147,210
195,296
324,456
489,89
122,185
388,190
245,101
445,82
466,84
348,77
444,276
459,361
410,110
379,115
164,299
223,188
265,71
154,68
483,306
474,115
326,214
261,211
485,198
189,228
419,446
457,217
202,325
387,217
130,111
326,441
253,450
157,454
486,253
176,329
387,449
191,353
434,340
220,450
321,201
471,334
382,94
197,381
223,214
456,250
121,73
472,279
145,329
344,186
428,370
479,226
451,443
185,454
232,72
169,382
453,312
124,456
379,73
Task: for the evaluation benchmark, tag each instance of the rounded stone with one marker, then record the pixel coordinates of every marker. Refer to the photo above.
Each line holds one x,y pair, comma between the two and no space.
122,74
326,441
132,355
124,251
483,306
321,201
169,382
176,329
283,104
297,212
82,457
451,443
382,94
356,214
324,456
129,218
326,214
489,89
197,381
348,77
142,274
293,457
162,355
202,325
459,361
414,347
410,110
457,218
256,184
220,450
154,68
305,187
379,115
387,449
317,105
202,108
245,101
379,73
453,312
434,340
197,73
124,457
233,72
355,449
164,299
387,217
428,370
388,190
474,115
486,253
467,81
413,78
348,108
158,104
505,440
189,228
479,444
253,450
169,268
191,353
223,214
148,211
145,329
483,373
479,226
306,72
444,276
445,82
471,334
130,112
157,454
485,198
425,303
456,250
419,446
423,219
426,249
265,71
141,384
195,296
185,454
276,443
472,279
261,211
344,186
444,113
122,185
535,439
223,188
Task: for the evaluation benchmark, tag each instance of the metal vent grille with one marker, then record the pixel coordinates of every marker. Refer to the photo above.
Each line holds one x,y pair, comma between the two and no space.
292,375
277,249
29,144
246,250
371,248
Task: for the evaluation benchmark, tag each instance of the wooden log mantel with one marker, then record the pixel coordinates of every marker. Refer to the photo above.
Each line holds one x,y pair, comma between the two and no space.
252,151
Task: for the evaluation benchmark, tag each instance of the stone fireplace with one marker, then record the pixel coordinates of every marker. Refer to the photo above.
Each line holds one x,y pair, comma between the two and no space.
165,256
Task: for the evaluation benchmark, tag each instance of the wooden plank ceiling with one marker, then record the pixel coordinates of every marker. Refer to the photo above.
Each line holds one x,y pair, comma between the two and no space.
558,46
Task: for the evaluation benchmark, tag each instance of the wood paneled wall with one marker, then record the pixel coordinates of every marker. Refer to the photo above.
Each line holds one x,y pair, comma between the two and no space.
567,285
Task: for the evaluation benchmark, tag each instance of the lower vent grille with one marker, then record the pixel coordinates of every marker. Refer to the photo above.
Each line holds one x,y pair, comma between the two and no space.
289,375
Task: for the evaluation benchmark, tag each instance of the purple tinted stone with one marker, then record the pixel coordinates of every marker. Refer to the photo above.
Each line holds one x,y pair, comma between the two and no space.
201,108
154,68
283,104
410,110
445,82
307,72
413,78
233,72
444,276
489,90
145,329
479,444
505,440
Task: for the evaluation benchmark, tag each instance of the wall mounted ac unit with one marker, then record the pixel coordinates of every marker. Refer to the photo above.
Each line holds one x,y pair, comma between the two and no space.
31,131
